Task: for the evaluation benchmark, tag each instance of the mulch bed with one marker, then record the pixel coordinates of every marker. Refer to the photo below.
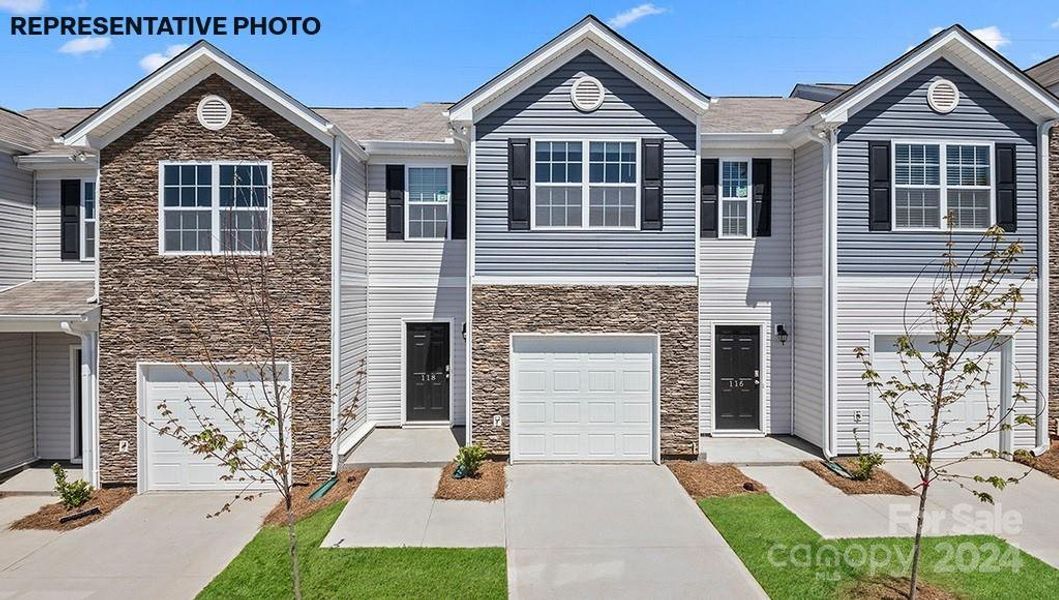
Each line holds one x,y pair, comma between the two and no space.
347,483
1047,463
486,486
106,499
891,588
881,482
704,480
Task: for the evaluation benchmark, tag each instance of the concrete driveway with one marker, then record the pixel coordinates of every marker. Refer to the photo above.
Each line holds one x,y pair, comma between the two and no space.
609,531
155,546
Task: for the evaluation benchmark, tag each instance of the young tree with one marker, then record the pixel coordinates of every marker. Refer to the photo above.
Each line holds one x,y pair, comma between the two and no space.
244,423
972,310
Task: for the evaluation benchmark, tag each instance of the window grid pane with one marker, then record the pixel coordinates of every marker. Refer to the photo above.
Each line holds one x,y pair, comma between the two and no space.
734,218
558,206
612,206
967,165
968,209
612,162
188,230
244,230
918,208
188,186
735,179
558,162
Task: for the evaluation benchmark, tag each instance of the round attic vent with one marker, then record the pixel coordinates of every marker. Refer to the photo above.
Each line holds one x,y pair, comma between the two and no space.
943,96
214,112
587,93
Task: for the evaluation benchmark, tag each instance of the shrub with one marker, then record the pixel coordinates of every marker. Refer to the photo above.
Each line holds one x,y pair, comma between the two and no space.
72,495
470,458
863,465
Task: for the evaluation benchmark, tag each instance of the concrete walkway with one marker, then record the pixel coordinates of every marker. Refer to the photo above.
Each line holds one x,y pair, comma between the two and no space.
35,481
610,531
157,546
768,450
396,507
1023,514
407,447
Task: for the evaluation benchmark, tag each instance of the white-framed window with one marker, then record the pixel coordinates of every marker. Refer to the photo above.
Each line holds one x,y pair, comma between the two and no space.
585,184
937,184
215,207
88,219
736,179
428,195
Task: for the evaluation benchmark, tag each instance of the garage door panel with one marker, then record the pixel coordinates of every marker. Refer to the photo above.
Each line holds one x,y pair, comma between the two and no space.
168,465
961,420
579,399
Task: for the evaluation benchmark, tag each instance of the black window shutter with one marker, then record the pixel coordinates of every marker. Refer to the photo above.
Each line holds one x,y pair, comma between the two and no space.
709,176
651,191
1006,197
518,184
762,173
70,218
395,202
459,202
879,186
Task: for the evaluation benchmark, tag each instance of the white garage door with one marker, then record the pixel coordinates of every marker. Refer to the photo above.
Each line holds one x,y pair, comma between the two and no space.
168,465
579,398
973,410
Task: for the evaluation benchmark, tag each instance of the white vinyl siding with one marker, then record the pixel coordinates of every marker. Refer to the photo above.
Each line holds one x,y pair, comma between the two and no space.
16,223
54,403
353,293
16,400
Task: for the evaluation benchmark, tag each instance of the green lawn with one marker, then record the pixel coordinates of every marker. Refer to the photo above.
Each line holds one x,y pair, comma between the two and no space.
791,560
261,570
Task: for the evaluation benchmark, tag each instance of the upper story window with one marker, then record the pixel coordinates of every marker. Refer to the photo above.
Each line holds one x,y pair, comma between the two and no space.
735,198
563,180
88,220
215,207
933,181
428,203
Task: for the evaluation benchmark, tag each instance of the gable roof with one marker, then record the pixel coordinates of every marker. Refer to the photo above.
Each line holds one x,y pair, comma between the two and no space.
176,77
587,34
966,52
22,134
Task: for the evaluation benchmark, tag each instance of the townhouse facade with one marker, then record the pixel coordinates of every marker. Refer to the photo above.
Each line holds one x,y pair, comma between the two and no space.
584,259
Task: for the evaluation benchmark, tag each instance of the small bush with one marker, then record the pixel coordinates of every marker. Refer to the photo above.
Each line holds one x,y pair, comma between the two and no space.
72,495
470,458
864,464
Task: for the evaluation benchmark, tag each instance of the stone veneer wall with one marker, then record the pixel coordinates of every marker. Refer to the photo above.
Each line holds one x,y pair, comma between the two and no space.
1053,281
671,311
148,300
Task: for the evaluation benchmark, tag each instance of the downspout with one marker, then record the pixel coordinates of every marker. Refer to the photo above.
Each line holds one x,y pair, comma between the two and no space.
790,291
336,291
1043,296
831,288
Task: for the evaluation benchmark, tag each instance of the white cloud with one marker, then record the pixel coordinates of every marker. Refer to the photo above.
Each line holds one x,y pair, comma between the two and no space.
22,7
634,14
1055,24
85,45
154,60
991,37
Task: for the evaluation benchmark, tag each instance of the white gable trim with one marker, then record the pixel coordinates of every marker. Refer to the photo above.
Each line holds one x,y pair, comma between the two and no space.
591,36
1027,97
92,132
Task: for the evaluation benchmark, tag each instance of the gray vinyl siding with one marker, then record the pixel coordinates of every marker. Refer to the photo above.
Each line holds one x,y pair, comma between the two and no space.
868,307
54,402
16,399
808,334
49,264
904,113
16,223
353,295
740,259
544,110
409,280
766,307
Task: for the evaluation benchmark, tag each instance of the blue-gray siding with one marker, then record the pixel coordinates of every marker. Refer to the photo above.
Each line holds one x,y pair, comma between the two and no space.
903,113
544,110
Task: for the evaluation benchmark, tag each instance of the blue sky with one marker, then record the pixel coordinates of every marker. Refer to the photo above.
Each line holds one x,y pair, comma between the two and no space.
400,53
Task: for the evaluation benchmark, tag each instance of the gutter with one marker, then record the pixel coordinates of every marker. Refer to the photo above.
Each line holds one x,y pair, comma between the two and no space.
1043,282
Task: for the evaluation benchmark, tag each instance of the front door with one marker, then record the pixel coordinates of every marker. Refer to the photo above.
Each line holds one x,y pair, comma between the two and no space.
737,352
427,372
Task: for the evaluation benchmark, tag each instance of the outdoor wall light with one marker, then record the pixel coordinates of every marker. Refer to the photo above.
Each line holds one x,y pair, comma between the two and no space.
465,331
782,334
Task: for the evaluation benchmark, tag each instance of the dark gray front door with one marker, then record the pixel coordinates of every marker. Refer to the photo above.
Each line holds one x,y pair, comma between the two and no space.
427,372
737,381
